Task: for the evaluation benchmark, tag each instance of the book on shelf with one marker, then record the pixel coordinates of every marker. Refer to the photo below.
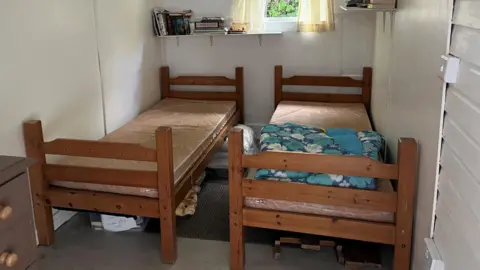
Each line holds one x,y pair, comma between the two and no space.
383,2
209,23
213,31
387,4
381,6
156,31
171,22
236,32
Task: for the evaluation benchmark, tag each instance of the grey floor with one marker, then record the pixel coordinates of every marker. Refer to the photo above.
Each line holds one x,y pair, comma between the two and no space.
78,247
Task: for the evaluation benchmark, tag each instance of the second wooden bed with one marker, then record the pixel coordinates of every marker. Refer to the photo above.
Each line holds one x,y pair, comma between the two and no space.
382,216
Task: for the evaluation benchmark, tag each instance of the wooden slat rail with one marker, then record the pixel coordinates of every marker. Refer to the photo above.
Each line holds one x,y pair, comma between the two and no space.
363,199
237,83
202,80
103,202
329,81
115,177
197,95
99,149
322,81
319,163
320,225
313,97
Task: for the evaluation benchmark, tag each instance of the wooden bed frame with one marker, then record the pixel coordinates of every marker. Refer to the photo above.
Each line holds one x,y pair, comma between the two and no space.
401,202
170,195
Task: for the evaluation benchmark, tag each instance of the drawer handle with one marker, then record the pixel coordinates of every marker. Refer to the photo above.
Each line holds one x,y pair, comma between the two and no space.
5,212
9,259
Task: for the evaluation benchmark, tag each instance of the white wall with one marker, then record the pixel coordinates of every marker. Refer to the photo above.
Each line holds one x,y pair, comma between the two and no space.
414,96
382,59
344,51
48,70
129,58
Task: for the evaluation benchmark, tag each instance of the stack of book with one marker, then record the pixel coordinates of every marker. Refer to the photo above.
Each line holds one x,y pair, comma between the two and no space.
374,4
382,4
210,25
168,23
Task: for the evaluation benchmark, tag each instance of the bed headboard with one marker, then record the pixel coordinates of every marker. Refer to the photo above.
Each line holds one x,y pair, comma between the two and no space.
166,82
339,81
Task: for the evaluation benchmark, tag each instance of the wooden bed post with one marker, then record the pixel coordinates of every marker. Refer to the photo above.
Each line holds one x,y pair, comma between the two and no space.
407,182
235,171
33,136
239,86
165,82
166,194
367,87
278,84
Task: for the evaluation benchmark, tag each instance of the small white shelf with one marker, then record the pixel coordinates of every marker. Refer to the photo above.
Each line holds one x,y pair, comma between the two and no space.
223,34
368,9
213,35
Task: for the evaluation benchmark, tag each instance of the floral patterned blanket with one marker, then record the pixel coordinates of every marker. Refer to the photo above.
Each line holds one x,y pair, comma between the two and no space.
299,138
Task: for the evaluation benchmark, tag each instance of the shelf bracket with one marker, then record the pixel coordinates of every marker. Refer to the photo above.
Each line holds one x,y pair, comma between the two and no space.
392,22
384,21
178,41
211,41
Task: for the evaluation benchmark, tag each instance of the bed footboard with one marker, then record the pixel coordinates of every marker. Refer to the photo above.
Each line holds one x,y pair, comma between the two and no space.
400,202
45,197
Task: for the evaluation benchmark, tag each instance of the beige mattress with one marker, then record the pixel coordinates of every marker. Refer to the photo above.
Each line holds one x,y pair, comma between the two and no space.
195,124
323,115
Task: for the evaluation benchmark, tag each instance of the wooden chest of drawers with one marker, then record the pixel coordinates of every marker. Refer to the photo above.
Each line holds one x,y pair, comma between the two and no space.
17,232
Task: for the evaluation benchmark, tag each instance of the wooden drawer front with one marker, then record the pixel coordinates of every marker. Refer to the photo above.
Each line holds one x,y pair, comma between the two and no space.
16,194
19,240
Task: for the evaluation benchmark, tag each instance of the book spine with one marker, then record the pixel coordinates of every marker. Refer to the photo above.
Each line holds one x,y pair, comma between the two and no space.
383,2
381,6
155,26
163,25
169,25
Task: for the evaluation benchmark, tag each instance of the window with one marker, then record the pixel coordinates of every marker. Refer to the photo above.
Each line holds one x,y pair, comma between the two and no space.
281,8
281,15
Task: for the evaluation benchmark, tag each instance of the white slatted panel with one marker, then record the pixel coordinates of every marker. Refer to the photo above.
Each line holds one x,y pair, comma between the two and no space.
456,208
468,81
465,183
458,106
465,147
457,229
454,253
467,13
465,44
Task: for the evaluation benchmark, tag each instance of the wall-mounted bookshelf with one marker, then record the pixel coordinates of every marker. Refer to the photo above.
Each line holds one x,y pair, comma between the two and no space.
355,9
212,36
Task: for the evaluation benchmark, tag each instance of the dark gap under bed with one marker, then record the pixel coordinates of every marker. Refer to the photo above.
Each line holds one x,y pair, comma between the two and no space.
210,221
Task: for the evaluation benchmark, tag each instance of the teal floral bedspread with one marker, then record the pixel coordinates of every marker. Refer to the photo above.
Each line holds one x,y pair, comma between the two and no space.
299,138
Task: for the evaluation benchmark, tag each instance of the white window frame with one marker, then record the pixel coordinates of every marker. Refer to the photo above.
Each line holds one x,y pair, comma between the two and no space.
279,24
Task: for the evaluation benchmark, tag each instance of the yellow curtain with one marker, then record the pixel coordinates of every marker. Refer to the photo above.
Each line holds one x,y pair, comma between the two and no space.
248,14
316,16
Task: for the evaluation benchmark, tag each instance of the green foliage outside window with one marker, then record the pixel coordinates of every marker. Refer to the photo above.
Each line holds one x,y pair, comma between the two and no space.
282,8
